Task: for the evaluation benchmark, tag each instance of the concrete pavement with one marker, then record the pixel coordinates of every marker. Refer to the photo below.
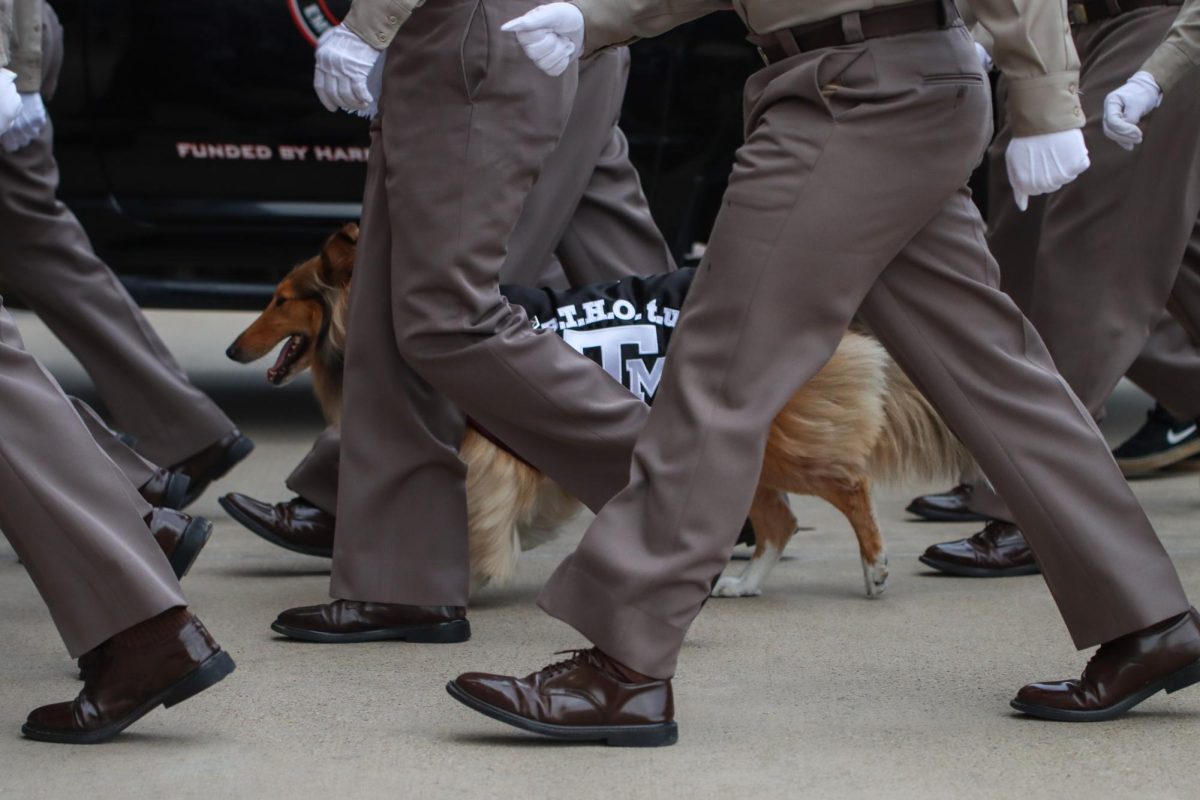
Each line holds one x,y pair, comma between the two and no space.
809,691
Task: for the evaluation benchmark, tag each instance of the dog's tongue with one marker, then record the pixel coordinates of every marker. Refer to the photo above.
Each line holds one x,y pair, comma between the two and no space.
276,372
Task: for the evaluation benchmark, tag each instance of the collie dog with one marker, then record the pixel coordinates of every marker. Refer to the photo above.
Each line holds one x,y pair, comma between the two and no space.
859,421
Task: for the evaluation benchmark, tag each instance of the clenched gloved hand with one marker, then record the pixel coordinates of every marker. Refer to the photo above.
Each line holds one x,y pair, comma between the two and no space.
1045,163
1125,107
344,66
551,35
10,100
29,124
985,58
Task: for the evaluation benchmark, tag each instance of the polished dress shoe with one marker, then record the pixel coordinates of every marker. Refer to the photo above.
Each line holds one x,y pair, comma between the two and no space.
212,462
998,551
587,698
165,489
296,525
1122,673
346,621
951,506
181,537
160,662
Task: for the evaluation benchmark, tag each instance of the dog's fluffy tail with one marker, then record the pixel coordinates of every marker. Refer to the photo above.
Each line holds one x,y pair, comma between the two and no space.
914,443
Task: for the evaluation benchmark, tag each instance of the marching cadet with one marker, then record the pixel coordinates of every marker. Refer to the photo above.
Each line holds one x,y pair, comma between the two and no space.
48,262
79,527
592,226
466,127
849,196
1102,259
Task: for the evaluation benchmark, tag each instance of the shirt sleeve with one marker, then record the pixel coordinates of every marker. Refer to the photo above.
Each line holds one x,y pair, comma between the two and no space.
978,32
377,22
6,32
25,55
1033,48
611,23
1180,51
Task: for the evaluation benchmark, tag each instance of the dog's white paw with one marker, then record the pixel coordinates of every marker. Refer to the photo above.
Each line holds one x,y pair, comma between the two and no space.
875,575
731,586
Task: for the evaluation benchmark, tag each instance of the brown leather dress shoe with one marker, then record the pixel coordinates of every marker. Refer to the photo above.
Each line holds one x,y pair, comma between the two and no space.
212,462
998,551
948,506
160,662
181,537
296,525
1122,674
587,698
347,621
166,489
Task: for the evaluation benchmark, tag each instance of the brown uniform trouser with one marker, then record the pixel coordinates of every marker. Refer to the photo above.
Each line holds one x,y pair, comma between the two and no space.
578,226
48,262
850,193
1095,264
69,512
467,124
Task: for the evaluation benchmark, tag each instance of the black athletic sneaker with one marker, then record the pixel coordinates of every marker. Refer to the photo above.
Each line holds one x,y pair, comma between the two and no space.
1162,441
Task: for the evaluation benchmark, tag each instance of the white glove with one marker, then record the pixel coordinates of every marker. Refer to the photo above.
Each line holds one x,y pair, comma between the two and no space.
552,35
985,58
29,124
344,64
1045,163
1125,107
10,100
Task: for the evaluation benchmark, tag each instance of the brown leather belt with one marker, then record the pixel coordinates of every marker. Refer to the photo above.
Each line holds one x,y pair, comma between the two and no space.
1082,13
855,27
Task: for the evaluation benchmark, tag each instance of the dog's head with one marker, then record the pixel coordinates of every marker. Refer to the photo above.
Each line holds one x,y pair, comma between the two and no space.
301,310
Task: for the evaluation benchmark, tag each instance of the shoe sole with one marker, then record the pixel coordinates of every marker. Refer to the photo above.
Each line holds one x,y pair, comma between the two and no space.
1175,682
177,489
662,735
963,571
252,525
1139,467
194,537
212,671
453,632
947,516
235,455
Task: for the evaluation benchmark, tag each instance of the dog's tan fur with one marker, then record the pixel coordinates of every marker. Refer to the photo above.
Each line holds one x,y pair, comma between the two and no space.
858,421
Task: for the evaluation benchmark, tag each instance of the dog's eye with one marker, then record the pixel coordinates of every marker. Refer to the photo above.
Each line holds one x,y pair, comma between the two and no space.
280,301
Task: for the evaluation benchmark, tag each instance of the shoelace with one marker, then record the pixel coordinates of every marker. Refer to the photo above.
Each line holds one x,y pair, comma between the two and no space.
577,658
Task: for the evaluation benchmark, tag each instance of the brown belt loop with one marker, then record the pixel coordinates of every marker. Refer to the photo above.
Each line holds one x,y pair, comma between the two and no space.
852,28
787,42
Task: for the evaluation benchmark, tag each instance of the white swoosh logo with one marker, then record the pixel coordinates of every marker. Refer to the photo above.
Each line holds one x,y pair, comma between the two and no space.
1174,438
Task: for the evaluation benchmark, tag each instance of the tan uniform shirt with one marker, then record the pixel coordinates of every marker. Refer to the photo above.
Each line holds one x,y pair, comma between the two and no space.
21,41
1033,40
1180,51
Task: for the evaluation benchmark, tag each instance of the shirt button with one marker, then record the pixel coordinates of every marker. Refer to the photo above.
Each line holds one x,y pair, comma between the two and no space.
382,36
1071,88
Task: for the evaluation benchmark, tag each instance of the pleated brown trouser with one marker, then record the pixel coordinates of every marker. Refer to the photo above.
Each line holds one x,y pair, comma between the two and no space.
48,262
1096,264
71,515
850,193
579,225
467,124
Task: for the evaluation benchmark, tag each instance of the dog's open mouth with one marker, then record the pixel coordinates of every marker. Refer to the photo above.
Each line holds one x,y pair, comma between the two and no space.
288,356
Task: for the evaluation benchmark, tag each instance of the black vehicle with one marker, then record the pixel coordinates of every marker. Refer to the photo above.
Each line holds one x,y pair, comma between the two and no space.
202,165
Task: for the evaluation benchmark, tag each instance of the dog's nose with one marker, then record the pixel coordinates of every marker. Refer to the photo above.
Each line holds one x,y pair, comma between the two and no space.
232,352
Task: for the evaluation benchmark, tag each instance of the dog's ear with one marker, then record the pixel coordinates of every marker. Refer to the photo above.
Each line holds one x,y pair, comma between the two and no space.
337,256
